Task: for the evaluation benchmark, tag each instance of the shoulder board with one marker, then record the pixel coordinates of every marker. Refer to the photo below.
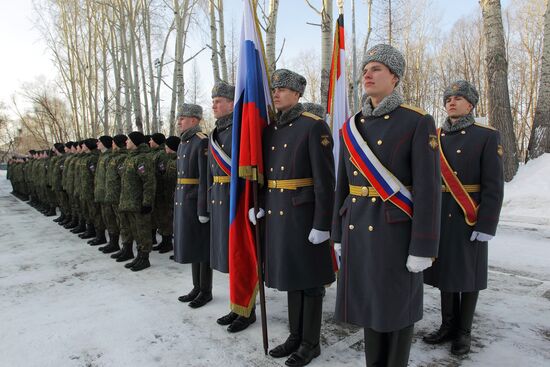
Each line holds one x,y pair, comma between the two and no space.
310,115
201,135
484,126
415,109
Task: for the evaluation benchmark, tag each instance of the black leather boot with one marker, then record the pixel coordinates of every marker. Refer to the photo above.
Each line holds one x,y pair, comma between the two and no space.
60,218
461,344
142,263
81,228
450,305
126,254
99,239
295,310
50,211
112,246
68,219
311,332
196,276
242,322
166,245
205,293
133,262
72,224
227,319
89,233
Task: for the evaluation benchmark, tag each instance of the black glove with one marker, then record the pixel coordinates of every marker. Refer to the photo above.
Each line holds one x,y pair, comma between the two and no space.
146,209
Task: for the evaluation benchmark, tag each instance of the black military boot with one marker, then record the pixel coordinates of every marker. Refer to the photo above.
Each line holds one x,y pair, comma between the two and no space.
89,233
117,254
450,305
196,276
154,236
126,254
68,219
99,239
241,322
166,245
143,262
72,224
205,294
461,344
133,262
311,331
81,228
227,319
50,212
112,246
60,218
295,310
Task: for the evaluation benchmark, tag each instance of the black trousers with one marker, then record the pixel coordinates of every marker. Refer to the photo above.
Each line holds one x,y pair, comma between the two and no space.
388,349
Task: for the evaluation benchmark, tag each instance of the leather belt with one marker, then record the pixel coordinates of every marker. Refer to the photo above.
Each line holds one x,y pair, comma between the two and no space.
188,181
222,179
468,188
290,184
366,191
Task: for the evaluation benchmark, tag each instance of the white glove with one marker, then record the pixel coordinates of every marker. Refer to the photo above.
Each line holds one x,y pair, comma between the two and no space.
417,264
316,237
203,219
259,215
338,253
480,236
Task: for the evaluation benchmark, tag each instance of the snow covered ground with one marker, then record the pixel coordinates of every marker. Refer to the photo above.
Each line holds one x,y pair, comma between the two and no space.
63,303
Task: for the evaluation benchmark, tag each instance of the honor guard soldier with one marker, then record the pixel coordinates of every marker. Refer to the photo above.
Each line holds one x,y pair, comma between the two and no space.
314,108
137,196
298,200
472,185
386,212
191,227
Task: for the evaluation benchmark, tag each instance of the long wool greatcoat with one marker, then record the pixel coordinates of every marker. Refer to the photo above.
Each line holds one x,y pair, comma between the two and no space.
298,146
191,237
375,289
474,153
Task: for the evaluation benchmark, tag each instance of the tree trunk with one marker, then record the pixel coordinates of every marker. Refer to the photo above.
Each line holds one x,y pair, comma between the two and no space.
133,55
326,48
270,37
539,141
214,41
500,114
147,33
221,37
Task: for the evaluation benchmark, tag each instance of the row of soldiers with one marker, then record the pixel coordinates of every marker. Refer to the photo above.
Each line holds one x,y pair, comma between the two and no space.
404,205
93,184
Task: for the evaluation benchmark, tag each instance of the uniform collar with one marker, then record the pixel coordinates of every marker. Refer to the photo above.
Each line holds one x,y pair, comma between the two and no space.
188,134
292,114
387,105
462,123
224,121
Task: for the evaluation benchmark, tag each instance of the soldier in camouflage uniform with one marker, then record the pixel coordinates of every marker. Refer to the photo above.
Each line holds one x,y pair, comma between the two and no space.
156,143
113,173
77,188
136,199
191,229
166,185
55,179
68,185
92,212
63,196
104,144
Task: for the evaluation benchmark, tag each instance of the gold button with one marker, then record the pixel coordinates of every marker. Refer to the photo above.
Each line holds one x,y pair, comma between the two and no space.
285,145
387,117
463,132
442,134
353,200
213,201
223,146
290,125
455,172
281,212
351,226
363,120
275,127
459,151
373,200
282,168
184,156
365,191
272,148
271,169
449,215
379,142
282,190
269,212
371,228
220,202
269,190
355,173
212,166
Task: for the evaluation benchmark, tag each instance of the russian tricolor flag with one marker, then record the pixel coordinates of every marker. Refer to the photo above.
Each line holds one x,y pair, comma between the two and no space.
250,117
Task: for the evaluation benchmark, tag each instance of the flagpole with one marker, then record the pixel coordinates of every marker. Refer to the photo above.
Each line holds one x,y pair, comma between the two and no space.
259,261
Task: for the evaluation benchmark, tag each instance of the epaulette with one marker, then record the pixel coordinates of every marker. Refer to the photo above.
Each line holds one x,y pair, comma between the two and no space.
201,135
415,109
485,126
311,115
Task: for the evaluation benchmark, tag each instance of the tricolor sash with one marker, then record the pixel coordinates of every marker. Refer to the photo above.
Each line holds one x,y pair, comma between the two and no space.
223,160
456,188
383,181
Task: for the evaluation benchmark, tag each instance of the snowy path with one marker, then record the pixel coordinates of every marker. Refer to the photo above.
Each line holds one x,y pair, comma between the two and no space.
63,303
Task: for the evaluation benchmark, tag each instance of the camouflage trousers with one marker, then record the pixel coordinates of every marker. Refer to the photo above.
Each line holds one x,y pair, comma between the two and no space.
94,215
140,229
63,202
110,218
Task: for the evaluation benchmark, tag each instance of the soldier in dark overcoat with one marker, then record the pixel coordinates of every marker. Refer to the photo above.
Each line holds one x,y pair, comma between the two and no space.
473,154
385,244
191,228
298,199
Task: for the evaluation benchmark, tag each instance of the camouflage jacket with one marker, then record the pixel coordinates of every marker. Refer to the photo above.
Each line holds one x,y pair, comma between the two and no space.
99,180
138,181
113,174
88,171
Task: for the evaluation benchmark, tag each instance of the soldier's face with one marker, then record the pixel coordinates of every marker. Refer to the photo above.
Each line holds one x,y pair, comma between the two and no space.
284,98
130,144
152,143
168,150
221,106
378,80
457,106
186,122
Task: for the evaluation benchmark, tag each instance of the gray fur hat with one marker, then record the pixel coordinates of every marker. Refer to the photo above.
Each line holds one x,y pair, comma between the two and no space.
462,88
223,89
387,55
284,78
315,109
190,110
